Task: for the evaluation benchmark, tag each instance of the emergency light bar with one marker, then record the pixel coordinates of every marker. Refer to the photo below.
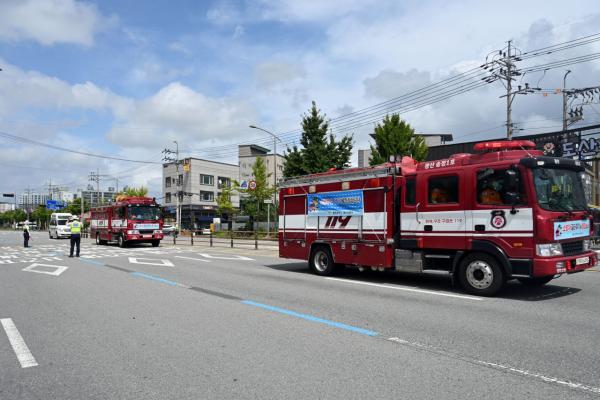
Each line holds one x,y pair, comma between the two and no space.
505,145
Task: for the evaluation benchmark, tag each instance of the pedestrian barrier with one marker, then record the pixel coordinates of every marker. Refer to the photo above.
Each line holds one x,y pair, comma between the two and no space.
231,239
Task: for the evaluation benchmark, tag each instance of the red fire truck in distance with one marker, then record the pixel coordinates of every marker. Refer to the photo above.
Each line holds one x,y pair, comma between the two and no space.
128,220
506,212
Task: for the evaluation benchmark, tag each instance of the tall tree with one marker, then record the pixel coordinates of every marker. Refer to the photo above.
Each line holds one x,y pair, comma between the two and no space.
319,151
255,198
395,137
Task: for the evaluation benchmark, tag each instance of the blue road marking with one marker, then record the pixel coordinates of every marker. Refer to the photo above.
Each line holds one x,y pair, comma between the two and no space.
311,318
98,263
155,278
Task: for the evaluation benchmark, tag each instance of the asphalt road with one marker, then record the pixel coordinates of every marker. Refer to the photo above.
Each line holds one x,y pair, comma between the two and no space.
182,322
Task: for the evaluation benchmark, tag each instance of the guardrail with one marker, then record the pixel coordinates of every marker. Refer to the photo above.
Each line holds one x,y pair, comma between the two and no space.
228,239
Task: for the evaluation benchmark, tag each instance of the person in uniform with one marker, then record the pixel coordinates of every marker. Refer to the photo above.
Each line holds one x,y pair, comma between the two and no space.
26,234
75,227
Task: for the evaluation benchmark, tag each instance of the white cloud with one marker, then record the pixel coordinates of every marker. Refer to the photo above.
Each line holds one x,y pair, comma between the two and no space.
33,90
388,84
177,112
272,74
51,21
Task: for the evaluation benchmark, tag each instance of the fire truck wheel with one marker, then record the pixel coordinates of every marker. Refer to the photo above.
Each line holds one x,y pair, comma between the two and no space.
536,281
99,241
321,261
480,274
121,241
155,243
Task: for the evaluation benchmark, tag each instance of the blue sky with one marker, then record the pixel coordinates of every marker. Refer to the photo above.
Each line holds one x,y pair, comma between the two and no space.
126,78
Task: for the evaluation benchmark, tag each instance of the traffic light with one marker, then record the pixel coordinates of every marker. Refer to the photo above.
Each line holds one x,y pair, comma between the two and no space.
8,195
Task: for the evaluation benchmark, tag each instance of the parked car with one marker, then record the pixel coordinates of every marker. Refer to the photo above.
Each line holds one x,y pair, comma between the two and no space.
169,229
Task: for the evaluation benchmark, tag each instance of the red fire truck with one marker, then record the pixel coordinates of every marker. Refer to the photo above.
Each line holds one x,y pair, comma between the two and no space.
505,212
128,220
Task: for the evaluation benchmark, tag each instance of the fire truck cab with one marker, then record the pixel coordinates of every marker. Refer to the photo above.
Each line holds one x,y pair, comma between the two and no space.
128,220
506,212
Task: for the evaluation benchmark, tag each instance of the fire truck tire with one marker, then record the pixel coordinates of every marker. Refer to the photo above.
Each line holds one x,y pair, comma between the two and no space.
155,243
480,274
99,241
321,261
121,241
533,282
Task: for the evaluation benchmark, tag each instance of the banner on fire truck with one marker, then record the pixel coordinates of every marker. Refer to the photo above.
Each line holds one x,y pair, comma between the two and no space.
349,202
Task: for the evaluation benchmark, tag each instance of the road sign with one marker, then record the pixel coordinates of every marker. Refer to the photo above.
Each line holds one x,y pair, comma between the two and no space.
55,204
268,201
244,185
252,185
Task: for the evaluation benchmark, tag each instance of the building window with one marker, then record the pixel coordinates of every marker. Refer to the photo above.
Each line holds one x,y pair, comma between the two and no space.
411,192
223,182
208,180
443,189
167,197
168,182
180,180
207,196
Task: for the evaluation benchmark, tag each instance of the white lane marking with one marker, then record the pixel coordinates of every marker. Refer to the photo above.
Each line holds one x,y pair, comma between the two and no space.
226,258
18,344
407,289
549,379
192,258
501,367
58,269
151,261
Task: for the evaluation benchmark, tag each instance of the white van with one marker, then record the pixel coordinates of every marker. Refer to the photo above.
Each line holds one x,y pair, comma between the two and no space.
58,225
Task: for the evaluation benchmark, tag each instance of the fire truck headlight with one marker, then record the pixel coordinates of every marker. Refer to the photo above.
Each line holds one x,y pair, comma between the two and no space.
549,250
586,244
133,232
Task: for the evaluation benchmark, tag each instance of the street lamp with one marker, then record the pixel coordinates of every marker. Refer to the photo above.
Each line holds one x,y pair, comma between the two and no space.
564,93
275,139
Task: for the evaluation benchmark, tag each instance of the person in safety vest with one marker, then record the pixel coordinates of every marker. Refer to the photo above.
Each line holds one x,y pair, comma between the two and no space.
75,227
26,234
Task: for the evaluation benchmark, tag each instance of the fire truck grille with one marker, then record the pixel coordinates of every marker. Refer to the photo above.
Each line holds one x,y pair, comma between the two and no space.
146,231
572,248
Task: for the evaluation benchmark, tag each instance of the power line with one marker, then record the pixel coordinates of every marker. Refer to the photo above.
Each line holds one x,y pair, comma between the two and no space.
20,139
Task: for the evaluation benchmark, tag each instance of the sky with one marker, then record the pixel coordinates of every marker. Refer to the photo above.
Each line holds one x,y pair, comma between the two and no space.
127,78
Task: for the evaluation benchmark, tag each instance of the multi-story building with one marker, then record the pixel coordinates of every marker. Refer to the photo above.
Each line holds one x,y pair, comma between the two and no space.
30,201
93,197
4,207
248,153
199,183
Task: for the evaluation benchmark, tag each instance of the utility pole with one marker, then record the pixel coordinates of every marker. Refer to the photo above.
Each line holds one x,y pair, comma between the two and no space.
501,66
509,65
175,160
564,96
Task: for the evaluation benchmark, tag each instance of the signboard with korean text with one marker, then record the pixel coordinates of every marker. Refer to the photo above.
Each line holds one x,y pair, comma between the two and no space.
571,229
349,202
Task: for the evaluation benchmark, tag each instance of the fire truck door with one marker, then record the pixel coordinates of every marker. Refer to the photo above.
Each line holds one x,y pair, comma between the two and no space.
441,217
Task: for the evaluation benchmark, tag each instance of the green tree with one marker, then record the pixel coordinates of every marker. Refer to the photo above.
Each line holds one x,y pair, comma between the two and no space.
396,137
74,207
142,191
41,216
224,204
320,152
254,201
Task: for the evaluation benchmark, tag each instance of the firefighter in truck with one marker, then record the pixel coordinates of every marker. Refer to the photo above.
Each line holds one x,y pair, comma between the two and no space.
505,212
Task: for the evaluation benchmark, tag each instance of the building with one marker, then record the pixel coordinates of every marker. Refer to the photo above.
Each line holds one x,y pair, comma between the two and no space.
247,155
93,197
4,207
199,183
30,201
430,140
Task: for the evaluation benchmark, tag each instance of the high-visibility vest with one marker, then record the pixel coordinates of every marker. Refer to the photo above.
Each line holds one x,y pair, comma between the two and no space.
75,227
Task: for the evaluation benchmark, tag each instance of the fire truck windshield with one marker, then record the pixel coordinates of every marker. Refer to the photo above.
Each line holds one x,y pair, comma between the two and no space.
559,189
144,213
